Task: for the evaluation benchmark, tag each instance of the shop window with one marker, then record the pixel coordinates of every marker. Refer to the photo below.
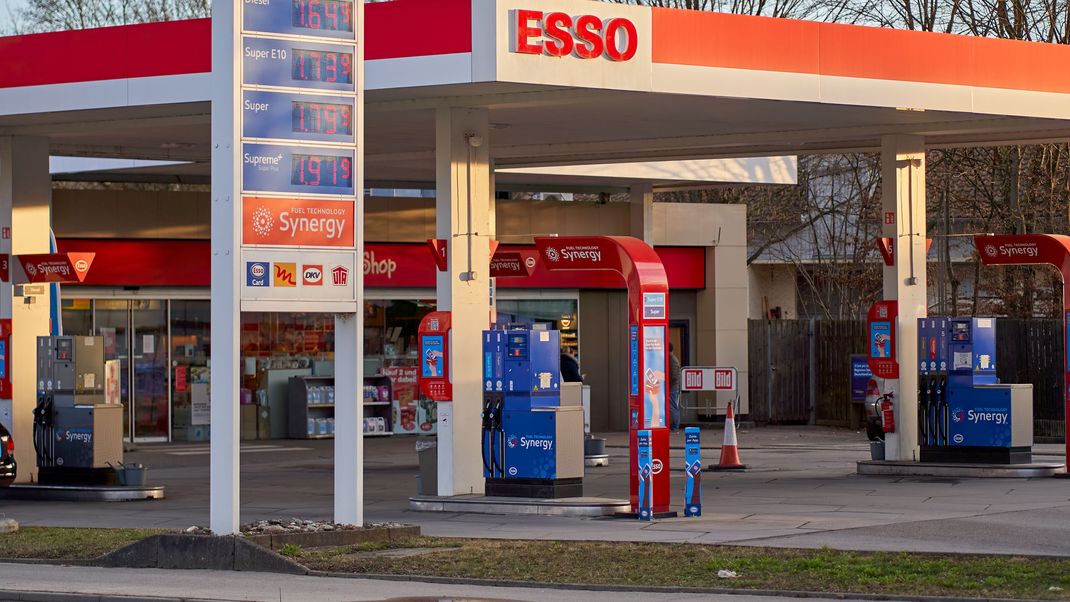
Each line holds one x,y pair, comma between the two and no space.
77,316
558,314
190,328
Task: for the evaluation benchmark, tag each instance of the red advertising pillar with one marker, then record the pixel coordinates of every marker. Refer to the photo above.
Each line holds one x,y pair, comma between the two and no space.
648,322
1036,249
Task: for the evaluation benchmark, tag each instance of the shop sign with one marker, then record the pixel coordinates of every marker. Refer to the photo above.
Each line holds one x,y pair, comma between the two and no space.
585,37
297,222
56,267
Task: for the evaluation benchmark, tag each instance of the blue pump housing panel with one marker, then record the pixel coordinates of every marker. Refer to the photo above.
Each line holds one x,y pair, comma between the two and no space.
523,365
972,352
530,444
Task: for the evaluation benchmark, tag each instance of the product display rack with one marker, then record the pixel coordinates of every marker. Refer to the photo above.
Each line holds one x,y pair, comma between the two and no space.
312,405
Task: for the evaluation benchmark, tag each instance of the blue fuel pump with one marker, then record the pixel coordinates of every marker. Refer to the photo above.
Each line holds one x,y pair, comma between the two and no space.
532,445
964,413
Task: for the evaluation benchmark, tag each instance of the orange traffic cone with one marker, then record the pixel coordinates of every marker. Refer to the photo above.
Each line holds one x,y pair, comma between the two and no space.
730,449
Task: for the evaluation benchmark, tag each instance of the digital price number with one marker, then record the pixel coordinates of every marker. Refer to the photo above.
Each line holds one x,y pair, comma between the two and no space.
322,170
322,118
322,66
325,15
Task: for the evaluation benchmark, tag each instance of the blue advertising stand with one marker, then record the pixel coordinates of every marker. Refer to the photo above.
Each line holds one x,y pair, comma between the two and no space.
693,469
646,472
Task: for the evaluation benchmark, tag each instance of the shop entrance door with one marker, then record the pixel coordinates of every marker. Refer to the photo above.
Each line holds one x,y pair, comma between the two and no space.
135,333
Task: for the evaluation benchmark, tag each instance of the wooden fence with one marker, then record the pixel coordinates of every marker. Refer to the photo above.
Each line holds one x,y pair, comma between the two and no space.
800,369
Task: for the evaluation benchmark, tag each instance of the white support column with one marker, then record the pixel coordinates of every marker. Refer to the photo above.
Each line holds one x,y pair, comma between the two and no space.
224,485
25,206
642,212
348,420
903,216
463,218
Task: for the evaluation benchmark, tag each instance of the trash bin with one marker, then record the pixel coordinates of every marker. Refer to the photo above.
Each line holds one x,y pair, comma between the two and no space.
427,480
876,449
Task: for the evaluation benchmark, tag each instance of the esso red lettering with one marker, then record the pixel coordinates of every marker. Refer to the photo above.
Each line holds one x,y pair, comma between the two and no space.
585,37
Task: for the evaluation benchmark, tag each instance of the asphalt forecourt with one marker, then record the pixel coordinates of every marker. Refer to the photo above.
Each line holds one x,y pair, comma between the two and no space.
611,565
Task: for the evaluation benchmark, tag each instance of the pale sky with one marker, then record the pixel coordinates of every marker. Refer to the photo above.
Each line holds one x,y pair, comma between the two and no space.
5,7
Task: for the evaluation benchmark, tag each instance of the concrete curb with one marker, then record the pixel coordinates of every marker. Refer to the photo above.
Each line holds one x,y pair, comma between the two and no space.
209,552
657,589
21,596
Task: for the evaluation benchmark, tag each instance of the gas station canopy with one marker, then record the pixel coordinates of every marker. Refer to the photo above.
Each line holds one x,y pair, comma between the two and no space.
695,85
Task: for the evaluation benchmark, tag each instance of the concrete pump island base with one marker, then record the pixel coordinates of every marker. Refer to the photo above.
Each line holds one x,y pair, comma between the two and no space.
469,98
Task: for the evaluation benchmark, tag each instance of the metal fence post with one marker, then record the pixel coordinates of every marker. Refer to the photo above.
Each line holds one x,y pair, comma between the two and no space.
812,340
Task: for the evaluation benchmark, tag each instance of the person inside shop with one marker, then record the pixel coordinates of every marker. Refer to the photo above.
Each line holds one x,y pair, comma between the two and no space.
674,389
570,366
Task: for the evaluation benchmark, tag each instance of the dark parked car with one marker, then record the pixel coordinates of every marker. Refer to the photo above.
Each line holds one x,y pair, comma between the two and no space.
7,457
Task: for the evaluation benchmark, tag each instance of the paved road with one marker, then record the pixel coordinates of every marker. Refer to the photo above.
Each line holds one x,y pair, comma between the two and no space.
225,585
801,491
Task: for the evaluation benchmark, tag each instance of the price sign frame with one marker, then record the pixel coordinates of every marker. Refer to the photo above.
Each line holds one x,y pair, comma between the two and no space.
267,17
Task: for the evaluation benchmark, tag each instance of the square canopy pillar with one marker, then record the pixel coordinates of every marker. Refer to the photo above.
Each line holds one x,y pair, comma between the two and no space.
903,219
25,228
463,214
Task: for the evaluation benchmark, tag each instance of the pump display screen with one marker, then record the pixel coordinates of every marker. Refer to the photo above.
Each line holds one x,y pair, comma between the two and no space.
322,170
328,15
322,118
321,66
960,331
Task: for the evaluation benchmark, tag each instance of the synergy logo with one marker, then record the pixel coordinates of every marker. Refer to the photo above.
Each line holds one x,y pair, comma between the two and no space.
312,275
286,275
553,255
958,415
256,273
1024,249
81,436
996,417
589,253
513,441
991,250
536,442
262,222
294,222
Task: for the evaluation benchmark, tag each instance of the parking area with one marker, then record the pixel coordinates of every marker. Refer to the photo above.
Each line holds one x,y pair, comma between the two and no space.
801,491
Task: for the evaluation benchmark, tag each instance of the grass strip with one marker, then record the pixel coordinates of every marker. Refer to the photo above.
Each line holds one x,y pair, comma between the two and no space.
56,543
690,565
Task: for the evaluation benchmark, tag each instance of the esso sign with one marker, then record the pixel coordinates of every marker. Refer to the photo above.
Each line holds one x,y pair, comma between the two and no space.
584,36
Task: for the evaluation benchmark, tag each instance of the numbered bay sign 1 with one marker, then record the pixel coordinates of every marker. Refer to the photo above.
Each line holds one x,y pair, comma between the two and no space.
693,471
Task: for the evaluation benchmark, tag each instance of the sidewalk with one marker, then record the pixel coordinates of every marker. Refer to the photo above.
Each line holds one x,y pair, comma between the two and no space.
266,587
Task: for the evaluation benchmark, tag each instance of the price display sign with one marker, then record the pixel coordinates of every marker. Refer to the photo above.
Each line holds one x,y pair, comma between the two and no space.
298,64
287,116
323,18
314,170
299,135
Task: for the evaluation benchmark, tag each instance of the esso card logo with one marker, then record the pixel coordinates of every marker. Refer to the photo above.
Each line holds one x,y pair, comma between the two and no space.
583,36
256,273
312,275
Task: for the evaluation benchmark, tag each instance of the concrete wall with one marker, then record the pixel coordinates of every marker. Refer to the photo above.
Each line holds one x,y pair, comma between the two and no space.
773,285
